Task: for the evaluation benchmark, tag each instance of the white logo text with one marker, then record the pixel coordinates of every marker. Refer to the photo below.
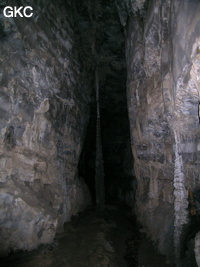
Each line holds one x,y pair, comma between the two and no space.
20,11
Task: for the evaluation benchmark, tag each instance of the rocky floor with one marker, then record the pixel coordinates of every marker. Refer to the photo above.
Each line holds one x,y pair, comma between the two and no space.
93,239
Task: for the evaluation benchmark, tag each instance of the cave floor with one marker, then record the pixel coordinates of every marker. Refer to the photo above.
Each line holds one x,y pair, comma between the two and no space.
94,239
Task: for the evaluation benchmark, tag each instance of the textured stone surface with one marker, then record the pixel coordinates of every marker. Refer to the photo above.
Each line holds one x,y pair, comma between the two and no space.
162,91
197,248
43,115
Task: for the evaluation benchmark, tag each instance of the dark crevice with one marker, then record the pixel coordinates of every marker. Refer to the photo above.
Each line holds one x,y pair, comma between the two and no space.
101,29
86,167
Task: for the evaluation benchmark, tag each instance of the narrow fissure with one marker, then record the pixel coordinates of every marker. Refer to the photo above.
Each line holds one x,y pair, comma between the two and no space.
120,183
86,167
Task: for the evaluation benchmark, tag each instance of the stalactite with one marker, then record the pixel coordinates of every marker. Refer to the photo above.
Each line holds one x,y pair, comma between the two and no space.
99,165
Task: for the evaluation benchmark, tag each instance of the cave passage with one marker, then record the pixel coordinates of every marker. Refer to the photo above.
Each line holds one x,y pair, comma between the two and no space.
118,161
99,133
115,133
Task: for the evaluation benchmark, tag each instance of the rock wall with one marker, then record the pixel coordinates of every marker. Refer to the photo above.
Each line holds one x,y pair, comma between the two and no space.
162,52
43,116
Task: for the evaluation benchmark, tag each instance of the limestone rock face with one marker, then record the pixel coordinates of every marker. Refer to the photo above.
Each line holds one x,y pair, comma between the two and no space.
162,51
197,248
43,115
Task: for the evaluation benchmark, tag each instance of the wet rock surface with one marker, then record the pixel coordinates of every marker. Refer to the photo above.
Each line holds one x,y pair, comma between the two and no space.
162,41
43,115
